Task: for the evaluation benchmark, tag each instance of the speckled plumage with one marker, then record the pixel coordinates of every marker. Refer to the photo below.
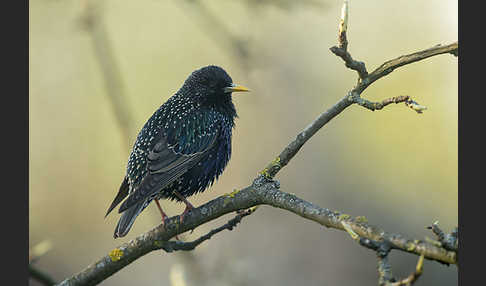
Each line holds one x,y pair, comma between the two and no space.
184,146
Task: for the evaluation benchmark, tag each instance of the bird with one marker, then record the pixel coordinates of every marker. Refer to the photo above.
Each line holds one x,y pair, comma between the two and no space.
182,149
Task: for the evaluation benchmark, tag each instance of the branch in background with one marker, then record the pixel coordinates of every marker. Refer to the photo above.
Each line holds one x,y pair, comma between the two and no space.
39,250
353,96
287,4
92,21
219,31
40,276
35,253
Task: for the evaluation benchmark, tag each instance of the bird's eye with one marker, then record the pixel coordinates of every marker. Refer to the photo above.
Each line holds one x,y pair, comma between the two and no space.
207,82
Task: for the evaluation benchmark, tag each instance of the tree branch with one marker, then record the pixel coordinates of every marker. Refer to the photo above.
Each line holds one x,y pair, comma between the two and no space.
413,277
341,50
40,276
389,66
397,99
382,249
354,96
448,241
261,192
170,246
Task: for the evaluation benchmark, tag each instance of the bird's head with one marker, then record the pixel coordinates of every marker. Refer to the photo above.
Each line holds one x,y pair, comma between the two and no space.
211,86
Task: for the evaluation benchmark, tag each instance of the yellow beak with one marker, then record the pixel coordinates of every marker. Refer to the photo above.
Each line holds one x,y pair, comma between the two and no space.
235,88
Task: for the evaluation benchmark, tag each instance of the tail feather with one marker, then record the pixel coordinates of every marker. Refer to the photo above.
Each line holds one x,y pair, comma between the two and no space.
122,193
128,218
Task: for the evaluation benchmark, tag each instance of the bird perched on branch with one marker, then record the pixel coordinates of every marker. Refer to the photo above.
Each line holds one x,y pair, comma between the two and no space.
183,147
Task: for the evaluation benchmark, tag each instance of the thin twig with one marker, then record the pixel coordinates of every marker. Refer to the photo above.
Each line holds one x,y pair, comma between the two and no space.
341,50
413,277
385,275
397,99
358,66
389,66
382,249
448,241
352,97
170,246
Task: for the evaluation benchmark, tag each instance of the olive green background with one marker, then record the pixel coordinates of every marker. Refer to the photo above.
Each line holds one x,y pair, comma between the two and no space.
394,166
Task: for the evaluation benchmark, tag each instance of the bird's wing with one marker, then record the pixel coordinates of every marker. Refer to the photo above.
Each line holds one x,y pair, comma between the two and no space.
171,156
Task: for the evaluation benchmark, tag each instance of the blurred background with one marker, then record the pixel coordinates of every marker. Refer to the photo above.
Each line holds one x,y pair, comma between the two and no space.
99,69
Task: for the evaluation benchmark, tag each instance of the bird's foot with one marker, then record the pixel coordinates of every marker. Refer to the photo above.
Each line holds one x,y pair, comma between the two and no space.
189,207
164,219
162,213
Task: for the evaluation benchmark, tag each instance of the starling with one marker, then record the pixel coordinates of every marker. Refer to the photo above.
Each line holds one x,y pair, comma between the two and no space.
183,147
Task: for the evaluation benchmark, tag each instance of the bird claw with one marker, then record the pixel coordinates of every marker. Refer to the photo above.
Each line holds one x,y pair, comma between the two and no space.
164,219
188,209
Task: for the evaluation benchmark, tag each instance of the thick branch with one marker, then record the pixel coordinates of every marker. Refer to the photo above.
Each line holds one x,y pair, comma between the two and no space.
261,192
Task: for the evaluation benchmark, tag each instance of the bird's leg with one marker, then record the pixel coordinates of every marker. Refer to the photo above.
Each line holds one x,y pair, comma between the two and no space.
189,206
164,216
